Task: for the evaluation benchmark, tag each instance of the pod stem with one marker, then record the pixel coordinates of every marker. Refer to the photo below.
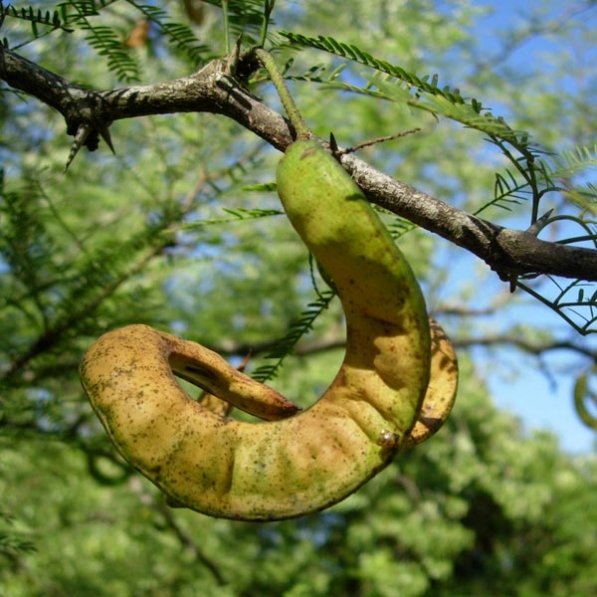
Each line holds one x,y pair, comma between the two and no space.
301,128
226,26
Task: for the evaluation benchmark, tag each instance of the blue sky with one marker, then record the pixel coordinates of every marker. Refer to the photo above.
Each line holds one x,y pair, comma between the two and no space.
540,401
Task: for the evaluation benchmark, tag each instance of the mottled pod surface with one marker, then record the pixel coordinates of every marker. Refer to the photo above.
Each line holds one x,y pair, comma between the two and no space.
296,462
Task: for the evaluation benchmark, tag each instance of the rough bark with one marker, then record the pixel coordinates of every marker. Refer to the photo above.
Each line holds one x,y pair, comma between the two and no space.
213,89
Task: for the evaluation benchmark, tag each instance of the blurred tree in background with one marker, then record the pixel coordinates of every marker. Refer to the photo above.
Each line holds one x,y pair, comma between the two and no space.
172,232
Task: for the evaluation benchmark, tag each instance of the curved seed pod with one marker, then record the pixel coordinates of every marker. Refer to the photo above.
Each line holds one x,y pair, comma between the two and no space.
223,408
582,396
437,403
303,463
443,380
441,391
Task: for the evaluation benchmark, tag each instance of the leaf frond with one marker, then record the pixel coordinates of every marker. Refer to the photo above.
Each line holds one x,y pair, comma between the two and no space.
108,43
575,302
296,331
49,20
421,92
179,35
244,16
235,215
394,83
50,297
570,162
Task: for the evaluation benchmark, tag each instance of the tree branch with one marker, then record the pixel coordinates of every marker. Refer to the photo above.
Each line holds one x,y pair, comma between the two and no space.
212,89
509,252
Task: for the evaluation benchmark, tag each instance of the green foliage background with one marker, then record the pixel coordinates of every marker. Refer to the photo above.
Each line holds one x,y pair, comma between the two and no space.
484,508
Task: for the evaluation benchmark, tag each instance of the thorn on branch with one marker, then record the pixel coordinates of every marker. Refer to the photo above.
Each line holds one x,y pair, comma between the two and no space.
539,223
86,135
81,136
233,58
380,140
